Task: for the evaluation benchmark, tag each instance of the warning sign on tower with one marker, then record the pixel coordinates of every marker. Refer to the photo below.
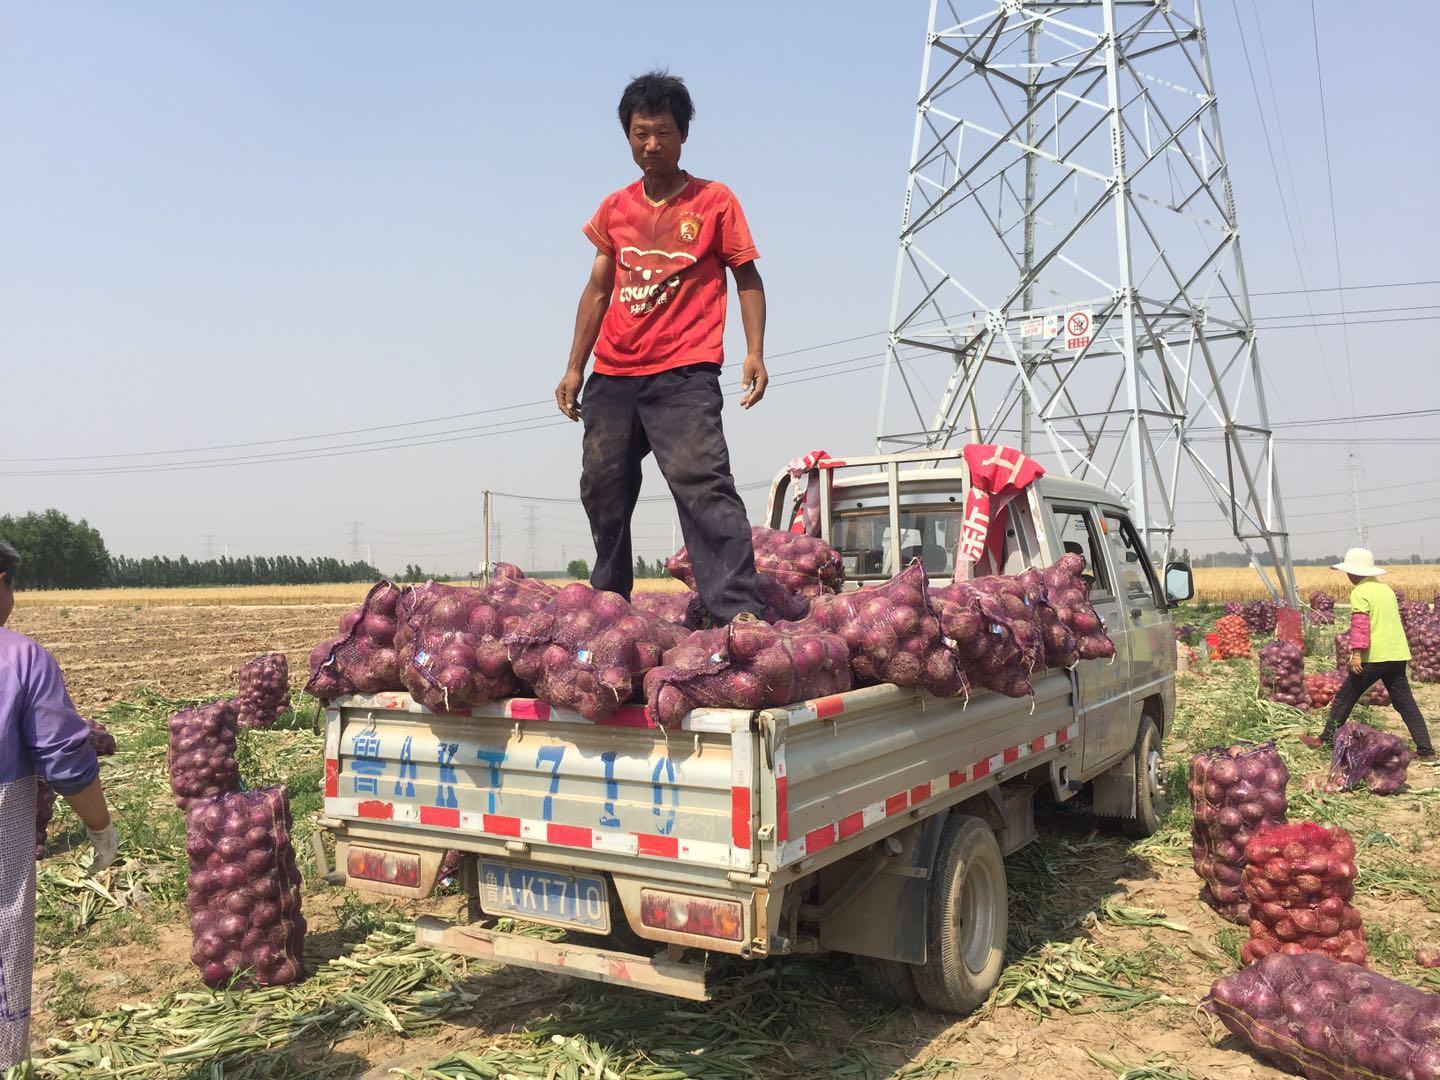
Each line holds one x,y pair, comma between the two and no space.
1077,330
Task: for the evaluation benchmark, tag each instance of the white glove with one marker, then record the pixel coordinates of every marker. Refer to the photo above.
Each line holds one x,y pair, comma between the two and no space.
107,846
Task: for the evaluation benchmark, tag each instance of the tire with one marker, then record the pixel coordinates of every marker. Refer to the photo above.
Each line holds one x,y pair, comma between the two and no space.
887,980
966,919
1152,802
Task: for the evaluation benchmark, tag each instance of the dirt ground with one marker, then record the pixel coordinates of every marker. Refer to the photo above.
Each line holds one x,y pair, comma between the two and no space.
192,651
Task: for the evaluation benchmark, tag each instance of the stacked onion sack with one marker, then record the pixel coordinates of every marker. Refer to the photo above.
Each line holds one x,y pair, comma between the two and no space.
891,634
746,665
244,888
264,691
451,647
1235,791
362,656
1377,695
1233,638
1313,1016
1320,688
1234,607
1361,753
512,591
1299,879
1411,614
685,609
588,650
1424,638
679,609
800,563
103,743
1322,609
202,752
1282,674
1260,616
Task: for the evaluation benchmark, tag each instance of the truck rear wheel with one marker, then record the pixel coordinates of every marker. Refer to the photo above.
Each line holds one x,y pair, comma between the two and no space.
1151,799
966,919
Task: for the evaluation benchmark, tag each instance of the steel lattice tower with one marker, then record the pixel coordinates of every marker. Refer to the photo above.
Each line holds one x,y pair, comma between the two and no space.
1067,158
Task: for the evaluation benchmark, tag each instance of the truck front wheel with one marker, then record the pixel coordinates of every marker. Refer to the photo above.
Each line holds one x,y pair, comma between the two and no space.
966,919
1151,799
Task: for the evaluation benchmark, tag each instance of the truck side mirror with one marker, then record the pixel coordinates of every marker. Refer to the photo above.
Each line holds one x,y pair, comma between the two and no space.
1179,582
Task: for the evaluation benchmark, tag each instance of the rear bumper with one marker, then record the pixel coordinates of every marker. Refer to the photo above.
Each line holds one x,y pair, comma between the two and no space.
659,976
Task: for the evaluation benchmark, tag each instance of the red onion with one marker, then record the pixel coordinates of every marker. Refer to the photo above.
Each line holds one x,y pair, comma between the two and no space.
1260,616
202,752
1316,1016
1424,637
1234,790
802,564
264,690
245,910
1363,753
450,644
362,657
1282,671
746,666
1322,609
1298,879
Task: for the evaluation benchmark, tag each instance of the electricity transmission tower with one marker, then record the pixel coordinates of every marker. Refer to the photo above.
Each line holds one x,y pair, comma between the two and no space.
1069,275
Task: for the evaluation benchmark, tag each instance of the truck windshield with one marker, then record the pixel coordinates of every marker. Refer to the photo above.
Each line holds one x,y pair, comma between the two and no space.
928,533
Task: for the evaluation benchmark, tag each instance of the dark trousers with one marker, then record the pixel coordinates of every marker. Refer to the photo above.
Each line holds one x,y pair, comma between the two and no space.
675,415
1392,674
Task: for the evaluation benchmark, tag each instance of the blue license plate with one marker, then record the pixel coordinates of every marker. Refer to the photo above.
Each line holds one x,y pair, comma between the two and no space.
544,896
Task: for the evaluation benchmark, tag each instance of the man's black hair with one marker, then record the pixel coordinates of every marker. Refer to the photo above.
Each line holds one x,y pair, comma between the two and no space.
9,561
657,92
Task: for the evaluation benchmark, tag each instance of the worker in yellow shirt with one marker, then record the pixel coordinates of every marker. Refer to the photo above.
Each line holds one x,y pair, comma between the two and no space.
1379,652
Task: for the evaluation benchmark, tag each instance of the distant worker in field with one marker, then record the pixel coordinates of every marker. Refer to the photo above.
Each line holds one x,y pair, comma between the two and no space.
41,735
653,314
1379,652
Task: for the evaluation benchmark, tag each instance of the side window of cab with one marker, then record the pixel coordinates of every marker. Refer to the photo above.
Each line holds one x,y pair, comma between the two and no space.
1076,534
1137,576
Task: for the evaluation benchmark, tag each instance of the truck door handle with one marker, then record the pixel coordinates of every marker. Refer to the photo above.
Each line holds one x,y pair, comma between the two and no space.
1135,613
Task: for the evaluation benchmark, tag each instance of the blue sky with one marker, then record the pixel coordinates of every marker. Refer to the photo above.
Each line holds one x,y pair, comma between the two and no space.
228,223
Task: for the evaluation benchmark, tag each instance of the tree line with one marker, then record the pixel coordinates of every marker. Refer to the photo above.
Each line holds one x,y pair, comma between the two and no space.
58,553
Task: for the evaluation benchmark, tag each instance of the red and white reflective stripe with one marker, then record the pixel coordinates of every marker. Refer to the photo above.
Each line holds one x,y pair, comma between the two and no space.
819,708
742,802
532,710
700,852
782,797
904,801
332,753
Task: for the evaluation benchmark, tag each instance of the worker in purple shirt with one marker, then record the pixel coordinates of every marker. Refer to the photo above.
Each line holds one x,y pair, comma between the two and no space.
41,737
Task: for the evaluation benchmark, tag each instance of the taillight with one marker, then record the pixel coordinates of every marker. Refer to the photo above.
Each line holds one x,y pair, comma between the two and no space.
393,868
691,914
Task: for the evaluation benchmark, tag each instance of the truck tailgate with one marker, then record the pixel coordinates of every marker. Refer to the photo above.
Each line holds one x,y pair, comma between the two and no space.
520,770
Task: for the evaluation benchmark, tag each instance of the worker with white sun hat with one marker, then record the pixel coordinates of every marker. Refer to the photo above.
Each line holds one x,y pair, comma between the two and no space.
1379,652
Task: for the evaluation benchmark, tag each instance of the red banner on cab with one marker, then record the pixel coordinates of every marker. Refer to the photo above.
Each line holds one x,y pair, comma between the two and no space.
806,517
997,475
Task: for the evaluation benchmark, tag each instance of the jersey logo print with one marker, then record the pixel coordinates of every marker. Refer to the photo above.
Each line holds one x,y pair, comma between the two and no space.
651,277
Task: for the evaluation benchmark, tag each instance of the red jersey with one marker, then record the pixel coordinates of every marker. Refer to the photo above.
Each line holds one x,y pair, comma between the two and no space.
668,305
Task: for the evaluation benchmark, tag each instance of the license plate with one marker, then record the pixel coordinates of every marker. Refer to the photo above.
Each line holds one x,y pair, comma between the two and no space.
544,896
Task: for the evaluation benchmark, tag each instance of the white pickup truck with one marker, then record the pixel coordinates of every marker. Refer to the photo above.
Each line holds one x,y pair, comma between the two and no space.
873,822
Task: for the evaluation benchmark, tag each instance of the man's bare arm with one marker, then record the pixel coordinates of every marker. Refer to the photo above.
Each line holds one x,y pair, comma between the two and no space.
594,299
753,376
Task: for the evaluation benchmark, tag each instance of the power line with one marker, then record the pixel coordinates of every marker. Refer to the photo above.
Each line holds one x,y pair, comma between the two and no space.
1348,288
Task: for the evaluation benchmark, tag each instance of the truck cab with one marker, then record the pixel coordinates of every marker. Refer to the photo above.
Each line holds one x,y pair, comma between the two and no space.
873,822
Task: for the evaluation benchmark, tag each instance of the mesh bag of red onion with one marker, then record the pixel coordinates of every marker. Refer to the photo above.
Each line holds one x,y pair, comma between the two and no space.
1378,758
1234,791
202,752
362,656
803,564
1327,1020
264,691
1282,674
244,888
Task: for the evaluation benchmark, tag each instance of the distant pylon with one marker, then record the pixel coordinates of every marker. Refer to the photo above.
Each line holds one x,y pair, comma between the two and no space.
1069,275
355,527
532,535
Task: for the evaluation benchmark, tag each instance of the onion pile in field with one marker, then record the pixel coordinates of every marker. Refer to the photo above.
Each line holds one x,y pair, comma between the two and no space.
1235,791
587,650
202,752
747,665
1234,607
892,634
264,691
244,889
801,563
1313,1016
1282,674
1299,880
1233,638
1322,609
1378,758
1260,616
1411,614
1424,638
1377,695
362,657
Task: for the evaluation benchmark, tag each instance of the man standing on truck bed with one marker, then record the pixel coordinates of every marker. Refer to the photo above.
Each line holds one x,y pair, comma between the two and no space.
653,313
